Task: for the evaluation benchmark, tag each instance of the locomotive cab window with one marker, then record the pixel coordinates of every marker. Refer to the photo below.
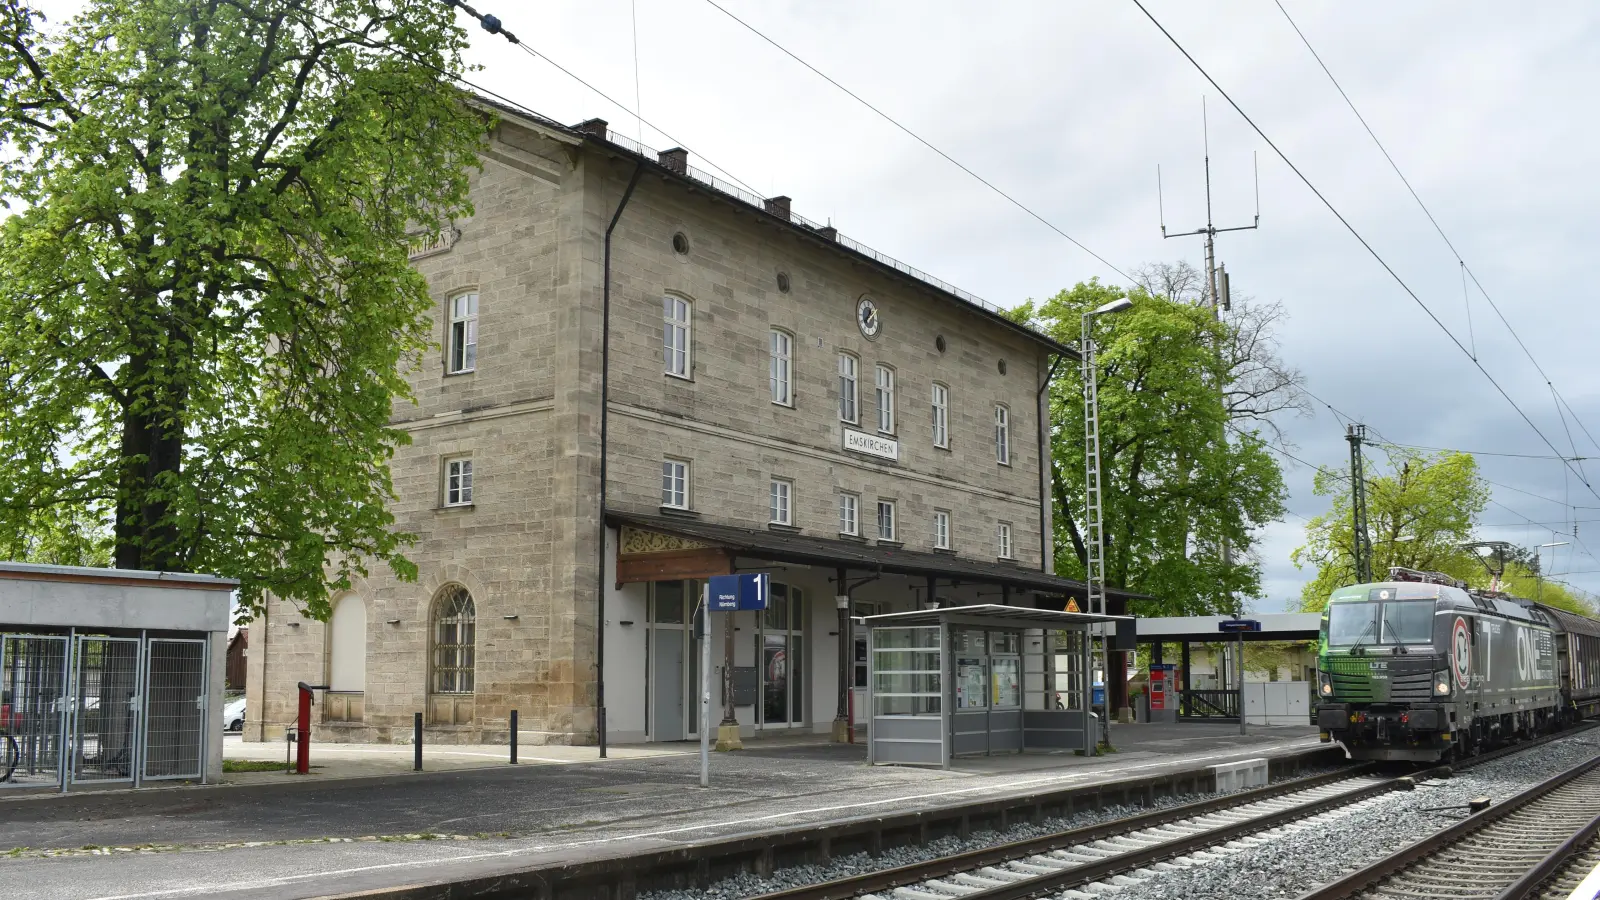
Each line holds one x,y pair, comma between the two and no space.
1407,622
1350,623
1391,623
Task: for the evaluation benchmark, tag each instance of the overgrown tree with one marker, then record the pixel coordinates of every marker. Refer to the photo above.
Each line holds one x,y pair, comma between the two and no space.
1179,477
1421,508
205,296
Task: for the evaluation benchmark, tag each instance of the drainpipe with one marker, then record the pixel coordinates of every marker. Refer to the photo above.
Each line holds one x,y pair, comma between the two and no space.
1046,470
605,396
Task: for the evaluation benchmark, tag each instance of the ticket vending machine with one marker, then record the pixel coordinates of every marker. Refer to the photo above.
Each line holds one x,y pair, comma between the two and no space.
1163,696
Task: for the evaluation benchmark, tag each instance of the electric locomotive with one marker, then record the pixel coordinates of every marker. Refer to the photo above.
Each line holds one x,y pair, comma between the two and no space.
1420,668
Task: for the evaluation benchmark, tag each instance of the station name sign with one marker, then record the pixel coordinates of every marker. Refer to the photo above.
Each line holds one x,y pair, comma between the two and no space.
871,444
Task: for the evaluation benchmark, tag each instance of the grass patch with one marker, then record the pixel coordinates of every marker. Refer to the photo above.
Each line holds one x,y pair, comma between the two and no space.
251,765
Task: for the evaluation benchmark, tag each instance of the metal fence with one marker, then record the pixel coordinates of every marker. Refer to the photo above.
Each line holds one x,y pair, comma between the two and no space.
92,709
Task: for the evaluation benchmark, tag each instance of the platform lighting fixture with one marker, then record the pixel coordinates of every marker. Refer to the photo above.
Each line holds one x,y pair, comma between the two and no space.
1096,594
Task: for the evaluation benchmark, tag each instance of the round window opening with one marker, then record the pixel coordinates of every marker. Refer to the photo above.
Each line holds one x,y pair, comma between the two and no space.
680,243
1002,367
783,282
939,343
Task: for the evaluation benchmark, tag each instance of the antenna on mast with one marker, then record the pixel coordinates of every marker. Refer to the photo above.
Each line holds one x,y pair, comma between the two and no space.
1216,293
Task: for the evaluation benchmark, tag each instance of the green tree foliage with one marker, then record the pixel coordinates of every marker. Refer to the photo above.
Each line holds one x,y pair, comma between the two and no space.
205,296
1420,509
1178,477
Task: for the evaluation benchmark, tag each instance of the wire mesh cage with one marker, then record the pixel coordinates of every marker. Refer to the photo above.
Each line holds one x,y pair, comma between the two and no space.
106,715
175,706
33,690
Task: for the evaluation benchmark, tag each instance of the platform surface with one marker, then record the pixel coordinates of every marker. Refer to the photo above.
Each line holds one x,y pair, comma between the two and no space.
321,835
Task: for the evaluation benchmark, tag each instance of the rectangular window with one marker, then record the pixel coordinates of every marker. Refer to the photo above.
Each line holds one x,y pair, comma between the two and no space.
458,481
1002,533
886,520
675,483
847,514
848,367
941,529
941,415
885,400
1002,435
781,374
780,507
463,333
675,335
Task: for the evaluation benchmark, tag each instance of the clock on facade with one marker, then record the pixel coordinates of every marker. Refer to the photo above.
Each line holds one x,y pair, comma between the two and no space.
867,317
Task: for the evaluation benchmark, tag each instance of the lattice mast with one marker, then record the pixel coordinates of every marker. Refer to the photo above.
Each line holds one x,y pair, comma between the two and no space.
1361,540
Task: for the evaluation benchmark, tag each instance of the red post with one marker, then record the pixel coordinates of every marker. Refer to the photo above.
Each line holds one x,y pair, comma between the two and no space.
302,752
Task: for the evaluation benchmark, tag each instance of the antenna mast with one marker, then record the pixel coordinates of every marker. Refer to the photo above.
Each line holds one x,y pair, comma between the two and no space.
1217,292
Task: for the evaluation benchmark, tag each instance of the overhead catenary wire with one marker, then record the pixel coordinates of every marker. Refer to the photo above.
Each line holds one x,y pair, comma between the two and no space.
923,141
1466,270
1372,251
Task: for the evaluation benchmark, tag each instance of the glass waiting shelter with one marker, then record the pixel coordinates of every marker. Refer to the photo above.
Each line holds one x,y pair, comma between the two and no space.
977,681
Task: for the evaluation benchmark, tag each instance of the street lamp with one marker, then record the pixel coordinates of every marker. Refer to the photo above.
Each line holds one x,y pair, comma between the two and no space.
1095,543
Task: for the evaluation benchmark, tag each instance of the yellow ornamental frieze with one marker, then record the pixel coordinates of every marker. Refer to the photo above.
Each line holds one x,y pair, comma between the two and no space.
635,540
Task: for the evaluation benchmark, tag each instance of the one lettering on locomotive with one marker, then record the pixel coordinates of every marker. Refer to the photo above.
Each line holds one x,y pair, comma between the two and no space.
1422,668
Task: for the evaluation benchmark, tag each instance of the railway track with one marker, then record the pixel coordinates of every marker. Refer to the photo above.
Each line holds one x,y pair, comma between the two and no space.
1102,855
1529,845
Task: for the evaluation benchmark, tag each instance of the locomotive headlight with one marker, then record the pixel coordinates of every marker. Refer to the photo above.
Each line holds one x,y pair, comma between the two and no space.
1324,685
1441,684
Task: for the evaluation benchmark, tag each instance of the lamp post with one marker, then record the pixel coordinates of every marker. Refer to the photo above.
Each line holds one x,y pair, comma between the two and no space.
1094,545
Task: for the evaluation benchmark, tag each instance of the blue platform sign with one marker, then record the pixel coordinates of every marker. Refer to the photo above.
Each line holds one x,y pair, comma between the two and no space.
1234,625
734,592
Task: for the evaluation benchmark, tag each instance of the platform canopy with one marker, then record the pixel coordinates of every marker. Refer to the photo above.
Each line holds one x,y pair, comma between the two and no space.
1207,629
993,615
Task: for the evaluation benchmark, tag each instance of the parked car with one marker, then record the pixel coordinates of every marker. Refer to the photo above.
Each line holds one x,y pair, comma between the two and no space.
233,715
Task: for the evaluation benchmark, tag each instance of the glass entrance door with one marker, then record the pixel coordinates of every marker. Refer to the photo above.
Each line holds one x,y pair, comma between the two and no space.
780,656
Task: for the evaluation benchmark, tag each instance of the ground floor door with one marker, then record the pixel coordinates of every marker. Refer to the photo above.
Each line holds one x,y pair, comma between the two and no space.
780,659
673,670
668,676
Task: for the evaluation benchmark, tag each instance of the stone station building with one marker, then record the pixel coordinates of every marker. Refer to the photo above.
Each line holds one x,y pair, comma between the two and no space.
780,399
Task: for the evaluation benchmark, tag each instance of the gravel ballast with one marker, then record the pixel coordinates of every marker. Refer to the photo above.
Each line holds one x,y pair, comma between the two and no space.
1288,861
749,885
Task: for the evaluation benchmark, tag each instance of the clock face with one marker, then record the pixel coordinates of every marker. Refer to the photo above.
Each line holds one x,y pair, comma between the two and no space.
867,317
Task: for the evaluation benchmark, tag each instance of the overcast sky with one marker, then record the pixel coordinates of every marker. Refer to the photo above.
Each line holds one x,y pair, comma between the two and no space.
1071,106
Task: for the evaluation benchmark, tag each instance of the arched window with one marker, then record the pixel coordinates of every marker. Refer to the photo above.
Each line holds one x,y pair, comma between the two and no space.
454,632
347,646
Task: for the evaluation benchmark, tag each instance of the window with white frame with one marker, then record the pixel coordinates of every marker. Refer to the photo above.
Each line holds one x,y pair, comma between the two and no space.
941,415
458,481
463,346
1002,535
941,529
885,400
848,505
849,370
675,335
1002,435
675,483
886,520
781,502
781,370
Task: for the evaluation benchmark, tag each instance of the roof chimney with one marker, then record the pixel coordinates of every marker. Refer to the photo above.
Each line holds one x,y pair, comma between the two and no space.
828,232
676,159
778,206
594,127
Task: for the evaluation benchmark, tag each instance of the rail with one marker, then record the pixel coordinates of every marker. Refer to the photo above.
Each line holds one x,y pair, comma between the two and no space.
1492,876
1208,704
